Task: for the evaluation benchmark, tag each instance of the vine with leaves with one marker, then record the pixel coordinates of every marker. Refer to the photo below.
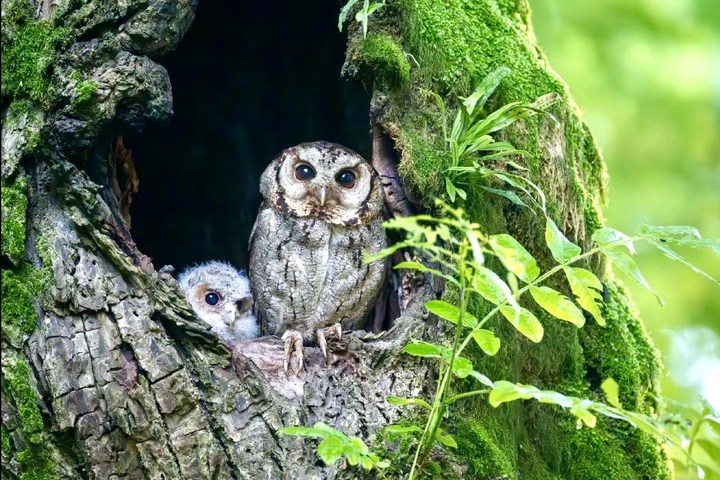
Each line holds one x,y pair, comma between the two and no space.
457,249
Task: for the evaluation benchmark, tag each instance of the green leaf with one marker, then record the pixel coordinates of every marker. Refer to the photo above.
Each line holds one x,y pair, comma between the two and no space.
462,367
344,13
510,195
330,449
356,444
393,400
382,464
491,287
581,411
450,189
487,86
482,379
606,235
403,429
514,257
611,389
670,253
304,432
557,305
503,392
561,248
679,235
423,349
445,438
486,340
586,287
451,313
628,266
413,265
524,322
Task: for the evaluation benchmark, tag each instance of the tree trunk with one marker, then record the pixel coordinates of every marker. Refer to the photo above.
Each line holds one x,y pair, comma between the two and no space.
106,373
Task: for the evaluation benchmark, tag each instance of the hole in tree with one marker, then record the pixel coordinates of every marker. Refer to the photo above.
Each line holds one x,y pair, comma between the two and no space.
248,80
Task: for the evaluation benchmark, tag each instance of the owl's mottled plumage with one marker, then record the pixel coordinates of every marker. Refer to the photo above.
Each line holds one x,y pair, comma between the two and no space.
322,210
220,295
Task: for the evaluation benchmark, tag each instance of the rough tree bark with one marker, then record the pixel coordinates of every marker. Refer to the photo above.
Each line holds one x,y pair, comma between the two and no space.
107,374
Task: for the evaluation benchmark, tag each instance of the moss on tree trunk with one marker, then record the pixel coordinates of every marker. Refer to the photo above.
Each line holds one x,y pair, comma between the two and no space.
106,372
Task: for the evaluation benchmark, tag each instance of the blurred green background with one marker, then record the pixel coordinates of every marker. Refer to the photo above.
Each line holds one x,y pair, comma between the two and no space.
646,74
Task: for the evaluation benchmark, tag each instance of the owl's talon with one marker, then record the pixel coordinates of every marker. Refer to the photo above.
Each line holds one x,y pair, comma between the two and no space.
322,343
293,352
334,332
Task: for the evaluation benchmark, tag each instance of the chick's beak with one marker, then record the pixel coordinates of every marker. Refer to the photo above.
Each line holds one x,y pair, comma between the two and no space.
321,196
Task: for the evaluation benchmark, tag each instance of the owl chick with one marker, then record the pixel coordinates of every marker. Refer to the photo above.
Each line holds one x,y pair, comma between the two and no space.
322,210
220,295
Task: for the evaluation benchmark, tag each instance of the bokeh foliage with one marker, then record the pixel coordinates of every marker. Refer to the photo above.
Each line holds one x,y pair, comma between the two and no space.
646,74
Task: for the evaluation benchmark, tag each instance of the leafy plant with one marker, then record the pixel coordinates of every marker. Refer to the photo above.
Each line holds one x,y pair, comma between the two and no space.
470,140
335,444
362,16
456,250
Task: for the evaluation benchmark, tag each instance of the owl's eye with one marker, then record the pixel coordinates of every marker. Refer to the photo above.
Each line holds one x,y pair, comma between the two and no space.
304,172
346,178
212,298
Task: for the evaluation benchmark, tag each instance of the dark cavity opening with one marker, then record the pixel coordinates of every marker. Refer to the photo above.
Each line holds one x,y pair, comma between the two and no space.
249,80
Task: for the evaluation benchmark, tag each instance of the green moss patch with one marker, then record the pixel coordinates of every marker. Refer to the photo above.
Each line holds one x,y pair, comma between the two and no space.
20,288
14,210
29,49
384,61
34,456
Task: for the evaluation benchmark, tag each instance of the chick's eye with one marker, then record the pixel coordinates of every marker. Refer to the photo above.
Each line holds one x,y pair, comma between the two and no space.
212,298
304,172
346,178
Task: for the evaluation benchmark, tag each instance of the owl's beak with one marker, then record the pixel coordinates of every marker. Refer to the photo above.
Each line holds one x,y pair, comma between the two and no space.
322,196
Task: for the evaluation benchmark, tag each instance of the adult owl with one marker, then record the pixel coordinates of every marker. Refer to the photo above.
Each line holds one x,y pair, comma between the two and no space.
322,210
220,295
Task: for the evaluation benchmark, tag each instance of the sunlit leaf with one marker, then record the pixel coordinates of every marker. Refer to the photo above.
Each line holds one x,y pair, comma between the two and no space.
606,235
491,287
478,255
413,265
445,438
304,432
358,445
587,289
557,305
503,392
627,265
423,349
670,253
581,411
397,401
403,429
514,257
486,340
482,379
611,389
451,313
330,449
561,248
524,322
679,235
462,367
